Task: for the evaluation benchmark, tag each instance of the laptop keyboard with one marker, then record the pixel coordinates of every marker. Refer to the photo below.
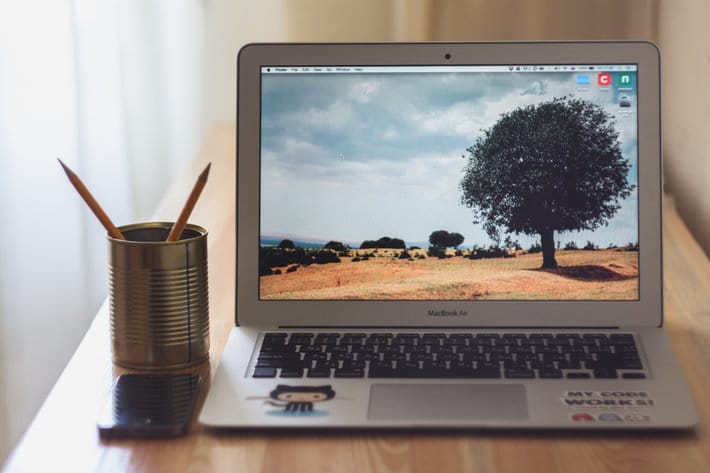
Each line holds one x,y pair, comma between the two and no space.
453,355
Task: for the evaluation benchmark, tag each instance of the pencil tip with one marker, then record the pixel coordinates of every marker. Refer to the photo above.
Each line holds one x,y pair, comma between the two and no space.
64,166
206,171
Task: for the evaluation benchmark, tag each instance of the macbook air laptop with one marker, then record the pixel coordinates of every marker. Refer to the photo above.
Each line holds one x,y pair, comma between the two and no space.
449,235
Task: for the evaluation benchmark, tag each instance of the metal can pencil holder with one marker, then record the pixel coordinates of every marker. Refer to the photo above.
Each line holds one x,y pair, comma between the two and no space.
158,297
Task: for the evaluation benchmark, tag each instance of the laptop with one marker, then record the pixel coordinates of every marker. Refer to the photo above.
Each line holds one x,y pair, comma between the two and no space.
449,235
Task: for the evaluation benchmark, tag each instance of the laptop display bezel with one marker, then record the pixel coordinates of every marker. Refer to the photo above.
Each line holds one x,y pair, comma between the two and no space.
646,311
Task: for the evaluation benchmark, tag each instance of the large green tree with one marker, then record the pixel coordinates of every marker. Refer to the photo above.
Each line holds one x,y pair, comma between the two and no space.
553,166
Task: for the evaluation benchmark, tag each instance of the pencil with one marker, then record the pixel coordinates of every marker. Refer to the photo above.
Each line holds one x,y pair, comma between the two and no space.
91,202
180,223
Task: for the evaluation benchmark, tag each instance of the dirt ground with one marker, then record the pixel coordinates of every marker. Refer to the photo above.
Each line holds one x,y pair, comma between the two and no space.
581,275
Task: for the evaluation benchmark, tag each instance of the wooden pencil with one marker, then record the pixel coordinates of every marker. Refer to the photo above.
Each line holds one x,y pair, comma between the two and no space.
180,223
91,202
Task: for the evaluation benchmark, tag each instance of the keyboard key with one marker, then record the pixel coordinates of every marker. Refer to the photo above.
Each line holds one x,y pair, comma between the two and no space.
633,375
519,373
605,374
622,338
629,365
349,373
574,375
319,373
264,372
292,373
279,356
550,373
273,335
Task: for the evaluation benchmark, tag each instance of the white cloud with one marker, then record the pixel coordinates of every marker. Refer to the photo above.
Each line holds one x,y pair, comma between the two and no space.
461,119
364,91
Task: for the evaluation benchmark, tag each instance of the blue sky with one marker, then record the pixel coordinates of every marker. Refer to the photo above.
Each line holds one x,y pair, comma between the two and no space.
351,157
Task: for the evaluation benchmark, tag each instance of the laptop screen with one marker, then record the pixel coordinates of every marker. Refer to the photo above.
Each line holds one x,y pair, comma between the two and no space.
515,182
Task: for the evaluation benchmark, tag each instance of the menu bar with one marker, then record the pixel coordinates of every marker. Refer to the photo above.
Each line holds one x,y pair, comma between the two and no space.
440,69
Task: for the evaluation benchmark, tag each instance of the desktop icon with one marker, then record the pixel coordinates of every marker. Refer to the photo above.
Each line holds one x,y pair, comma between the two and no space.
604,79
625,80
583,79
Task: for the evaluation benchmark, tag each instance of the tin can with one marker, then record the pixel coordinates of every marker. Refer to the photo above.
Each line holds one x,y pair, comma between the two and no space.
158,297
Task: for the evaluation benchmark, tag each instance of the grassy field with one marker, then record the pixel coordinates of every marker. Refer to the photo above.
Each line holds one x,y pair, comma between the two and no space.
582,275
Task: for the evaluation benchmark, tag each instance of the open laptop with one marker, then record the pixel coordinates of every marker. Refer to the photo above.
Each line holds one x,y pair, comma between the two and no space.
449,235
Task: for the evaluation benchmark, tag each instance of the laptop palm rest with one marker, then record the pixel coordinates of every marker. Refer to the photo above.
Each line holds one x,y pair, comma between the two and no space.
505,402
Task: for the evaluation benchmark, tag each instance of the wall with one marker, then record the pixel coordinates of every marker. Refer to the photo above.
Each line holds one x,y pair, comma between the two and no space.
684,39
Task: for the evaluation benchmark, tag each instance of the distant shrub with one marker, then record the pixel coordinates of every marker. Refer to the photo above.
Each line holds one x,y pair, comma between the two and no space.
264,270
324,257
590,246
292,269
631,247
420,256
570,245
436,251
414,248
405,255
384,242
335,246
271,257
490,252
458,253
274,257
286,244
444,239
277,271
511,244
356,259
535,248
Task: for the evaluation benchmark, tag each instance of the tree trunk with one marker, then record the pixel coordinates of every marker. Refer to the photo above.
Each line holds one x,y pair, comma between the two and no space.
547,240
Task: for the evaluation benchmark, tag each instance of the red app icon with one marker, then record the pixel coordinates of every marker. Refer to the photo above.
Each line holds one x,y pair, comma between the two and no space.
604,79
582,417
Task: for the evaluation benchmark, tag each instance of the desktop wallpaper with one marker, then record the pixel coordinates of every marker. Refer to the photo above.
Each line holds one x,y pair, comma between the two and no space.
473,185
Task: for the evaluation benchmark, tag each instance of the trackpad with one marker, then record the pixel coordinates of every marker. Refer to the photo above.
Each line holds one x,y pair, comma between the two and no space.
448,402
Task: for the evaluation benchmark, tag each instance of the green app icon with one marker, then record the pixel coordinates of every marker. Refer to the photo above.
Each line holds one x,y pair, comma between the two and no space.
625,80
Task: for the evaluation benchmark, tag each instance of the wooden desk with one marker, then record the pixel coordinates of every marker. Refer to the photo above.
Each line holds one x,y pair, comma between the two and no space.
63,436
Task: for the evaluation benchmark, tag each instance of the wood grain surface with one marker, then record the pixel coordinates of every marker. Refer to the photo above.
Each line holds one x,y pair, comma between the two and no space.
63,436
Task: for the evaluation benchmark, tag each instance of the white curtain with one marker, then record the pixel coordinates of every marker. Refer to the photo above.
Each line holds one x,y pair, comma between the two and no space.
114,88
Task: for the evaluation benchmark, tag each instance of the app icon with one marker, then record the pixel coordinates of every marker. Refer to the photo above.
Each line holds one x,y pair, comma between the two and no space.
637,418
604,79
624,100
582,417
625,80
582,79
609,418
